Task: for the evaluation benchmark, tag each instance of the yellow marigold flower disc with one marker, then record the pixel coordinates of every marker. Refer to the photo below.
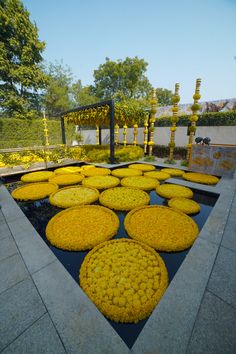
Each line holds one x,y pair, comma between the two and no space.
34,191
87,167
140,182
39,176
96,171
200,178
162,228
72,196
101,182
124,278
187,206
161,176
67,170
126,172
82,227
123,198
142,167
67,179
174,190
173,172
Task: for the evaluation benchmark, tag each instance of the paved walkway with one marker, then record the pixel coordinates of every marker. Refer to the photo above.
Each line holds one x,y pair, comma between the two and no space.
43,310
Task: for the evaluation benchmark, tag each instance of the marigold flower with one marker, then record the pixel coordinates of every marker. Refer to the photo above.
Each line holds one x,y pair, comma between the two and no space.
39,176
72,196
185,205
200,178
34,191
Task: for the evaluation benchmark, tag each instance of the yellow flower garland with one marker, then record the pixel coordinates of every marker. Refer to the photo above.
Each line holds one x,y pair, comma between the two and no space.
161,176
125,279
72,196
162,228
200,178
123,198
126,172
187,206
142,167
39,176
174,190
173,172
140,182
101,182
82,227
96,171
34,191
67,170
66,180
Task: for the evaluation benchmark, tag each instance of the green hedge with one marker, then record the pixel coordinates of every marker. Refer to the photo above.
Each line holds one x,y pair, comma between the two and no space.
205,119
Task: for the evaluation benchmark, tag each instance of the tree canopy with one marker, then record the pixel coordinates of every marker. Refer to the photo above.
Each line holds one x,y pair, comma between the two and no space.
21,50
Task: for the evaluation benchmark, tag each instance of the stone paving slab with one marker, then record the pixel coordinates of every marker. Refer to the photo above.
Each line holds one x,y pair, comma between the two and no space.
223,278
229,237
9,210
12,271
40,338
7,248
4,230
20,307
215,329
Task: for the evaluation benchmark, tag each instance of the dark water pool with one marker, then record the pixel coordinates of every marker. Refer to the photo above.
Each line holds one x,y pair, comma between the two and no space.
40,212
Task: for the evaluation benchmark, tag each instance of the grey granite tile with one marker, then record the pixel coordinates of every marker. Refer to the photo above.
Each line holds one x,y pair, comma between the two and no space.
20,306
223,278
12,271
4,230
229,236
215,328
10,209
2,219
7,247
169,327
40,338
33,249
80,325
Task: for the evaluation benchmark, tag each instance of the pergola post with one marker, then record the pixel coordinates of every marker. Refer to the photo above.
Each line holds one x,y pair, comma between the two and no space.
63,132
112,125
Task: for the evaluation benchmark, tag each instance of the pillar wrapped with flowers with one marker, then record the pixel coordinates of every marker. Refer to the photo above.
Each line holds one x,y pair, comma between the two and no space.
97,135
135,134
194,117
45,129
116,134
153,103
124,134
145,133
174,120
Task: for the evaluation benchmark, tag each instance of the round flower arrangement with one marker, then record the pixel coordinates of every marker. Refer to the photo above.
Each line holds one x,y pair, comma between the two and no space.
174,190
125,279
200,178
39,176
101,182
140,182
161,176
82,227
72,196
173,172
123,198
66,180
187,206
126,172
162,228
67,170
96,171
34,191
142,167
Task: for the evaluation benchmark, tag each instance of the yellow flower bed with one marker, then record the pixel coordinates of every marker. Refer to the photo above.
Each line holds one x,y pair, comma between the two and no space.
82,227
162,228
173,172
96,171
140,182
161,176
67,170
101,182
72,196
126,172
39,176
123,198
200,178
66,180
124,278
34,191
187,206
142,167
174,190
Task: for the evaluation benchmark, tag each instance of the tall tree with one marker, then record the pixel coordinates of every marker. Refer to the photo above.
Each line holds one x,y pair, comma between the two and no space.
21,75
164,96
83,95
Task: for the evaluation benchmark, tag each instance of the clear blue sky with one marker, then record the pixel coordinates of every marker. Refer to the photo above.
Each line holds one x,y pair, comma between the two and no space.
181,40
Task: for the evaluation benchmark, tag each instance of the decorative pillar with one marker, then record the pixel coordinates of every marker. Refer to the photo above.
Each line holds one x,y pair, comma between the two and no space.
135,134
45,129
116,134
174,120
124,134
153,103
97,135
193,118
145,132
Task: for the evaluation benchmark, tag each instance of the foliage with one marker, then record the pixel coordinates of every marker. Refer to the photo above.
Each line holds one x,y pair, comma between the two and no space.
20,57
162,151
83,96
164,96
